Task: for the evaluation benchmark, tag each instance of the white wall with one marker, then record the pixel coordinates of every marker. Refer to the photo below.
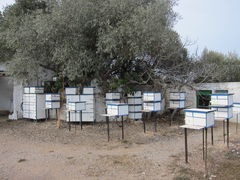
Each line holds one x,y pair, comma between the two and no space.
6,93
232,87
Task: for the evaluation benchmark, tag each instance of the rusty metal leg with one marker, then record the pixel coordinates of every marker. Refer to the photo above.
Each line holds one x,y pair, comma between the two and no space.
108,131
155,125
186,145
203,148
69,123
81,119
206,130
224,134
237,123
227,132
144,125
122,129
212,134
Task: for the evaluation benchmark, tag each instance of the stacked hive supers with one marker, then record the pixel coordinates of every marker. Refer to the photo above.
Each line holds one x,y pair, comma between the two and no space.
152,101
88,96
34,103
222,104
177,100
114,107
52,101
71,97
135,105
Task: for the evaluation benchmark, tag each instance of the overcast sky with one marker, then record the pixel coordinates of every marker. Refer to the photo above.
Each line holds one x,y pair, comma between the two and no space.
214,24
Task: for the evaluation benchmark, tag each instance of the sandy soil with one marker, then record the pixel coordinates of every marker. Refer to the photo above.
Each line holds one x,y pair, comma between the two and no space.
30,150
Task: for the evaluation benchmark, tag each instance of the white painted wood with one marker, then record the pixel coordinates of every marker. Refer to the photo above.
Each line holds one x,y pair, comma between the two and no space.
199,117
89,90
76,106
177,95
111,96
135,94
152,106
134,100
52,104
135,115
34,106
222,99
151,96
72,98
33,90
52,97
223,112
176,104
117,109
71,90
135,108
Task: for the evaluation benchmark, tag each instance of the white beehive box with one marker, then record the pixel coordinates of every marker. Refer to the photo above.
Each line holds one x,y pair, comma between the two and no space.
117,109
151,96
221,99
71,90
236,107
112,101
87,97
88,117
72,98
137,94
135,100
177,103
89,90
177,96
34,106
52,97
152,106
135,115
33,90
52,104
76,106
223,112
199,117
135,107
113,96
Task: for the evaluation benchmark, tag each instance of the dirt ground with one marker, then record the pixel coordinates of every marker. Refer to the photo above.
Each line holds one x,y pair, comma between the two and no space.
30,150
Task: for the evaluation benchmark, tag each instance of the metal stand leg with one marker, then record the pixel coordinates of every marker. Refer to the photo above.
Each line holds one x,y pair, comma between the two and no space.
75,122
227,132
144,125
155,125
206,130
212,134
81,119
107,119
69,118
56,114
224,134
203,144
186,145
237,123
122,129
46,115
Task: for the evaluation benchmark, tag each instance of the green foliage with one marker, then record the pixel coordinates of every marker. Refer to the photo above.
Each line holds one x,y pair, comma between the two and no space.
228,65
120,43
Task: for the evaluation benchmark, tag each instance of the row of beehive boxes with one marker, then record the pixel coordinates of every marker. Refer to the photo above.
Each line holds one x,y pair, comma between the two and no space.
137,103
222,107
206,117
